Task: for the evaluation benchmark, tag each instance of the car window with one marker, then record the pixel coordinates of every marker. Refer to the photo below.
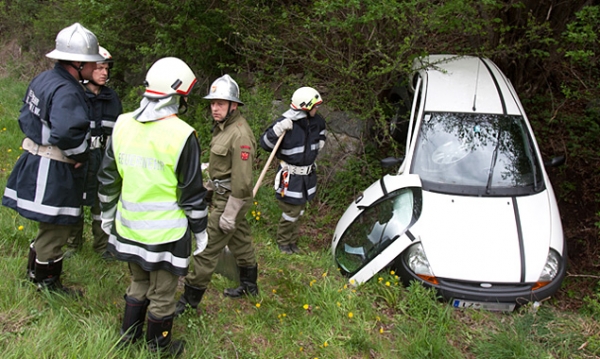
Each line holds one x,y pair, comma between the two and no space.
476,154
377,227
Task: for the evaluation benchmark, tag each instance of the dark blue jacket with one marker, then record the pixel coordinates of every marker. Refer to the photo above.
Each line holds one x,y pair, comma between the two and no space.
105,108
55,112
300,147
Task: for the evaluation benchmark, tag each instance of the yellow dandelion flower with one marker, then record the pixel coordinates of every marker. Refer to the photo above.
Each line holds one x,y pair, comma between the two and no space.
324,275
257,305
305,306
301,349
339,304
284,315
350,315
274,291
9,150
392,272
3,128
352,281
257,218
378,318
379,279
326,344
258,213
253,213
345,286
381,330
387,284
255,203
21,228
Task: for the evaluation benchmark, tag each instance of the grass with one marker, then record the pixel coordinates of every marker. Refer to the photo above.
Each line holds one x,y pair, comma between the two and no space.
305,309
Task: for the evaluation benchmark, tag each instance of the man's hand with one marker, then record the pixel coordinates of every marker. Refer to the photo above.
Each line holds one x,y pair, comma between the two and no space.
227,220
201,242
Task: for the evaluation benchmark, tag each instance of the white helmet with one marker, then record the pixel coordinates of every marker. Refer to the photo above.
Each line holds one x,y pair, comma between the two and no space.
76,43
167,77
106,55
224,88
305,98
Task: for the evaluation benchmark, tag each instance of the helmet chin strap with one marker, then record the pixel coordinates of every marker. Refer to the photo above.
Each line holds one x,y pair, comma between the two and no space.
183,107
78,69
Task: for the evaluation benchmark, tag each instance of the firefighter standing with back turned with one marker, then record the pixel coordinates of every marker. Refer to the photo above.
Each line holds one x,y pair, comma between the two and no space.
232,151
152,201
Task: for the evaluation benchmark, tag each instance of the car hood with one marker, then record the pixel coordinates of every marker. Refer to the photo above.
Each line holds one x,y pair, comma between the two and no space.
485,239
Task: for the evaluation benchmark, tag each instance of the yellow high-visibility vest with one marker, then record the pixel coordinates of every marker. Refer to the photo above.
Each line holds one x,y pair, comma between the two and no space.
146,156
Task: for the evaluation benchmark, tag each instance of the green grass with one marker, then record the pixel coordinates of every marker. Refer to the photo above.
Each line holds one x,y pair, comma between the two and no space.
305,308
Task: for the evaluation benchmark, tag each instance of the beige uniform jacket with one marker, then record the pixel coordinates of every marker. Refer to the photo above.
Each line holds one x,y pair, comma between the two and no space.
232,151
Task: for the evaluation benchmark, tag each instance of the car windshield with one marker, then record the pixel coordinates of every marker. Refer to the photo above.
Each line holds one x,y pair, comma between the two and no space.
376,228
476,154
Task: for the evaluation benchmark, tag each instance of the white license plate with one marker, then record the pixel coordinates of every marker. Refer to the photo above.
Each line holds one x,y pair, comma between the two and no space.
493,307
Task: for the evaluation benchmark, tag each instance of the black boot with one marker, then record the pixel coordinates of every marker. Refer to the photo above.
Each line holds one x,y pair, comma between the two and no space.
248,286
158,336
47,276
31,263
133,320
191,296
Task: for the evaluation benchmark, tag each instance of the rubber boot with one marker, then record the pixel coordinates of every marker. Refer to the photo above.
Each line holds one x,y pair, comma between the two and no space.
191,296
158,336
47,277
133,320
248,286
31,263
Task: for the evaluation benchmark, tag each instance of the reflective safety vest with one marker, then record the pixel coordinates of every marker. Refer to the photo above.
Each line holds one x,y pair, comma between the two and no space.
146,156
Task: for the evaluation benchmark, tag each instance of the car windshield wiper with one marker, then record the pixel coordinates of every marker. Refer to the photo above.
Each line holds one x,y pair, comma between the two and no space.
488,186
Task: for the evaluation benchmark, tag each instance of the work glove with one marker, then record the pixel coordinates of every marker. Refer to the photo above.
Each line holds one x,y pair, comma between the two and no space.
321,144
227,220
280,127
201,242
108,219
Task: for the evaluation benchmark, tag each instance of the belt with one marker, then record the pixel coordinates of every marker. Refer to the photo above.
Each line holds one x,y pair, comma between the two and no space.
297,170
51,152
221,186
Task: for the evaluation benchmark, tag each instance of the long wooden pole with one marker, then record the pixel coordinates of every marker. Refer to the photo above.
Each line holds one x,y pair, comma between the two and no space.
264,171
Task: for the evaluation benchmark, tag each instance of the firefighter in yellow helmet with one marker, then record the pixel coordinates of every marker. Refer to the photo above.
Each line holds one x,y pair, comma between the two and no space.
232,151
152,201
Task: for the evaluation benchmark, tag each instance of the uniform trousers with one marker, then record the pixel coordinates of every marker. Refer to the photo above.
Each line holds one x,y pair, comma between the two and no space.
157,286
238,241
289,223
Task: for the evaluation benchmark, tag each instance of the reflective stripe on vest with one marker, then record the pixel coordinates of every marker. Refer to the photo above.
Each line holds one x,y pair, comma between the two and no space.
147,155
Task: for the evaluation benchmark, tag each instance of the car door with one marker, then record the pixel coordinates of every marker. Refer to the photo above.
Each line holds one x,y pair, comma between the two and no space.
375,228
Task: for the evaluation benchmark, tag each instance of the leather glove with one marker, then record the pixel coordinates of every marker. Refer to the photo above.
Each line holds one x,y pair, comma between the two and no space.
108,219
210,189
227,220
201,242
280,127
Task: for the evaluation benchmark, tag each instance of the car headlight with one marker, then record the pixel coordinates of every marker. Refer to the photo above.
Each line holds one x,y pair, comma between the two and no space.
550,270
416,260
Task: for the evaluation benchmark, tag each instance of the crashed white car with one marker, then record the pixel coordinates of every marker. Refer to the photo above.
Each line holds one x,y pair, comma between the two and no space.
471,211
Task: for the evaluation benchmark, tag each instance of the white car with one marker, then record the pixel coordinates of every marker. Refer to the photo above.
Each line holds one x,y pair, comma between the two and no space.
471,211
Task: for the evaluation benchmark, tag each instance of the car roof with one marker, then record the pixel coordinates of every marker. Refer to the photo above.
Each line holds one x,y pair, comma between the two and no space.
466,84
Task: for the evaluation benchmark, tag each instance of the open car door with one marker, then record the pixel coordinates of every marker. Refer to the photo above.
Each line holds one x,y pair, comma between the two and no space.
374,230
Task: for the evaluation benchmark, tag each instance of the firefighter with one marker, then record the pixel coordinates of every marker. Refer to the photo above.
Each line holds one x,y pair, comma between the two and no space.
47,182
152,201
296,180
232,151
106,107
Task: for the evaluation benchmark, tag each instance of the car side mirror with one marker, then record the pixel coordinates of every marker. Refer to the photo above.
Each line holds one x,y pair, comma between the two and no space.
555,162
391,161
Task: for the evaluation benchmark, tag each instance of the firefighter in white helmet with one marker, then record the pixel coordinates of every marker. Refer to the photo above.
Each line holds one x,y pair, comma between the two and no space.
232,150
105,108
296,180
152,201
47,182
